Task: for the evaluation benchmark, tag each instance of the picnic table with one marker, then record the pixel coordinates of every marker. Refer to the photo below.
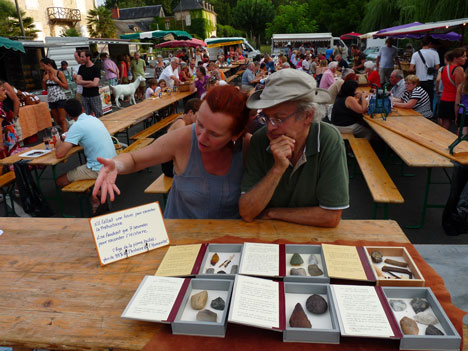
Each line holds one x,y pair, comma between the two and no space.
55,295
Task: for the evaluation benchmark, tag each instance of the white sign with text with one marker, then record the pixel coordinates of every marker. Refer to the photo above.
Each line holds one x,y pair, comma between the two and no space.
127,233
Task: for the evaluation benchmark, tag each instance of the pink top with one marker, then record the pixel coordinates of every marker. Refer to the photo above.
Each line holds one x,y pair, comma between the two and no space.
109,64
328,78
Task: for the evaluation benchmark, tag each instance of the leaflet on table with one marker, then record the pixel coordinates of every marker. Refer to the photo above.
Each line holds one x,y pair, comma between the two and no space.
155,298
127,233
266,260
181,260
347,262
257,302
363,311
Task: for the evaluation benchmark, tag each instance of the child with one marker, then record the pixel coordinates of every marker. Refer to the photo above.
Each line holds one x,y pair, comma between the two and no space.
162,85
153,89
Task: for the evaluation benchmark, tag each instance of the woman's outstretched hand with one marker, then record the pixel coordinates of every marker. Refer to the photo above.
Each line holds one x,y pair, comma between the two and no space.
106,180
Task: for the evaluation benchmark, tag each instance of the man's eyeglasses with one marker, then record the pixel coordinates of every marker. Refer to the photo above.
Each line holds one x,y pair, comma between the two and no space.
277,122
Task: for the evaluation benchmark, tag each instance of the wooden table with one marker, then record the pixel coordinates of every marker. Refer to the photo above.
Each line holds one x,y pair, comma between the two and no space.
114,127
55,295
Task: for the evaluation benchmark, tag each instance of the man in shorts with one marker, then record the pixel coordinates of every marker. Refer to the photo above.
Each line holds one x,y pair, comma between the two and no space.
92,135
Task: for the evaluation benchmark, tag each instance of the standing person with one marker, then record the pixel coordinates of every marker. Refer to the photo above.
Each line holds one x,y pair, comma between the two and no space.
452,76
208,159
55,83
123,70
111,69
128,60
329,54
138,70
159,67
386,58
89,76
359,59
66,71
425,63
462,98
75,69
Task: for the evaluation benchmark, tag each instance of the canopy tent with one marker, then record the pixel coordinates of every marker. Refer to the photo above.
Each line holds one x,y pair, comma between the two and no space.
159,34
182,43
440,27
11,44
351,35
367,35
417,35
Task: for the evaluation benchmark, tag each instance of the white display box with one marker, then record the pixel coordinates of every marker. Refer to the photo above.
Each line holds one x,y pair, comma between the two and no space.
450,341
305,251
325,327
185,320
225,252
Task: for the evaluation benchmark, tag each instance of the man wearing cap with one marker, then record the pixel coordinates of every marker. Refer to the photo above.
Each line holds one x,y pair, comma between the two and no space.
296,167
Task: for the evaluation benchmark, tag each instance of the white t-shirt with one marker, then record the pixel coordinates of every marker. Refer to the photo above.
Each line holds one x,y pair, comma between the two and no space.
166,75
432,59
79,88
150,91
387,56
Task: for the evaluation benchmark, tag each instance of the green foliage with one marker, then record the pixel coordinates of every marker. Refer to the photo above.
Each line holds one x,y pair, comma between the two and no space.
292,18
71,32
223,10
228,31
198,28
337,16
9,22
252,16
100,23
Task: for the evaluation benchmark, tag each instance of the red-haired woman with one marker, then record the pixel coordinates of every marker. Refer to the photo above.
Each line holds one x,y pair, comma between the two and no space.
208,159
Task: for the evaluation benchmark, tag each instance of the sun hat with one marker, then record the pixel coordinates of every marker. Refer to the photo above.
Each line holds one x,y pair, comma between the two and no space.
287,85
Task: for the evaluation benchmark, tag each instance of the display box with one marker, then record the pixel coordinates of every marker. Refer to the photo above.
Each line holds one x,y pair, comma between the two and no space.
311,255
324,326
186,322
450,340
394,258
224,258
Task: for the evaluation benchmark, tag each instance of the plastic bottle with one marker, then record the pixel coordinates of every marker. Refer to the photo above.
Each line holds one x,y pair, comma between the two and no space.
55,135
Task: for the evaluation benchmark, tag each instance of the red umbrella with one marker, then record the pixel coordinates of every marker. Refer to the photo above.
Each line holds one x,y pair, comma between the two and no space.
182,43
352,35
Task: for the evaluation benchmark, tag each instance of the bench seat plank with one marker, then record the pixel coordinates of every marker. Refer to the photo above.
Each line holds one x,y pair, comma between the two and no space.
161,185
155,127
138,144
79,186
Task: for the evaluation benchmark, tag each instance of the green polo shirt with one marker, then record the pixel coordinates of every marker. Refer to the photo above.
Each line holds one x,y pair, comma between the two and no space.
320,177
138,68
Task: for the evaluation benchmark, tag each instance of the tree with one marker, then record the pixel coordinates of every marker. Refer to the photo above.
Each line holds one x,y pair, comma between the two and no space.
70,32
293,18
100,23
9,22
338,16
223,11
252,16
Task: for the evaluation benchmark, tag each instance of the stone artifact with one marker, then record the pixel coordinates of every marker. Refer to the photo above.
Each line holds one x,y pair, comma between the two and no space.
316,304
298,318
431,330
379,272
214,259
296,260
221,272
226,262
419,304
376,257
313,259
298,271
409,326
426,318
397,270
218,304
396,263
234,269
198,301
398,305
207,316
210,271
314,270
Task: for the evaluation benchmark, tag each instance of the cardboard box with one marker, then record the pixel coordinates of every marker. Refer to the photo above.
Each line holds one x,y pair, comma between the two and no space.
305,251
225,253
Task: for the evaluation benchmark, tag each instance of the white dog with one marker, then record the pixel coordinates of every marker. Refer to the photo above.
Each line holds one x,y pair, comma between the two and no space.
122,90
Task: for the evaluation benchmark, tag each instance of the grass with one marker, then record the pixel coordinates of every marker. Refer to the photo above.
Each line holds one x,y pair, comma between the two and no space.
265,49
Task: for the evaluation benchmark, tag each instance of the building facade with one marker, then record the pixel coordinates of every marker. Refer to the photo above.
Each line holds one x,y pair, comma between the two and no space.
191,11
136,19
52,17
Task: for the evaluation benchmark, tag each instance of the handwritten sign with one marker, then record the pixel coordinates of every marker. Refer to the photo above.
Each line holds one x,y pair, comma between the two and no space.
127,233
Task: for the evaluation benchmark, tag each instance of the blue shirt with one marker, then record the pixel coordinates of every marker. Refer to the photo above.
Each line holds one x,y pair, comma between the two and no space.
328,53
92,135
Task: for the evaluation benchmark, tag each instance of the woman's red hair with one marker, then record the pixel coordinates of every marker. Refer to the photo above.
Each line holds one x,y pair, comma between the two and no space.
231,101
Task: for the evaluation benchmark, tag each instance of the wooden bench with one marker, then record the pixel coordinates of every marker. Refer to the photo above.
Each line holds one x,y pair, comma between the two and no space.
7,181
83,189
347,136
138,144
231,78
161,185
155,127
381,186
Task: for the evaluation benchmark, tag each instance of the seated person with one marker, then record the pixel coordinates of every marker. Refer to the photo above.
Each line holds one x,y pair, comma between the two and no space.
153,89
414,97
188,118
208,159
296,167
398,83
162,85
348,74
184,75
92,135
328,77
348,109
373,76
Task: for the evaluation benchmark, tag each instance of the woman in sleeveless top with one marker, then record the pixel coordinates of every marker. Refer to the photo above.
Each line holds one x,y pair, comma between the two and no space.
208,159
55,83
462,98
452,76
